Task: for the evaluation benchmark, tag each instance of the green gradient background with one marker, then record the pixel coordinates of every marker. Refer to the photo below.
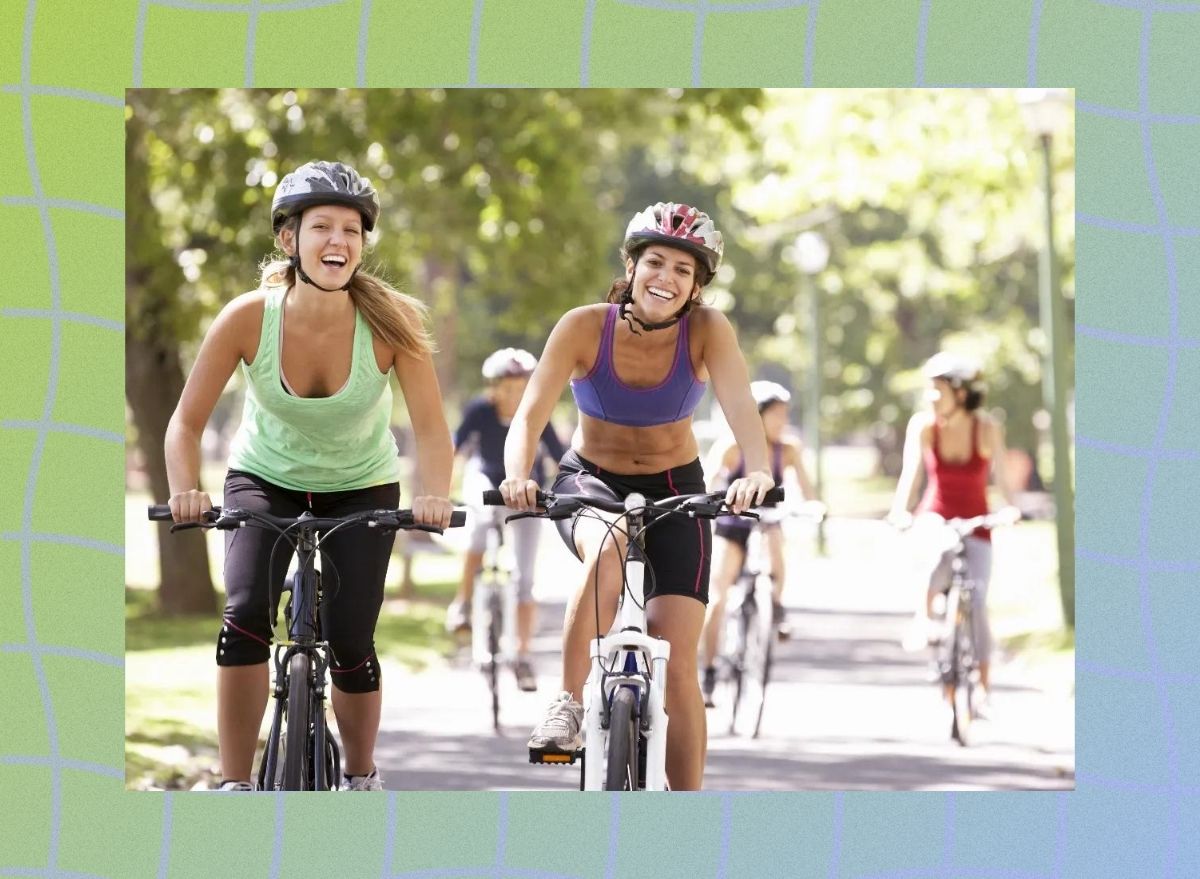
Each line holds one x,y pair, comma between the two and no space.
62,808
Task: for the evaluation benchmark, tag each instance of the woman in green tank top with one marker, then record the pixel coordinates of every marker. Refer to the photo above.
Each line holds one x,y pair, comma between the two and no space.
316,342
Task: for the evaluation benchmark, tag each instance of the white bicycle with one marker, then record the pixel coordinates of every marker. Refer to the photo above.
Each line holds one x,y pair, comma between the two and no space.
624,697
750,629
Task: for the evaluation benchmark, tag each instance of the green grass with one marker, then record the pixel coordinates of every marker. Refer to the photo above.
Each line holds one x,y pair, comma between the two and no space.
170,673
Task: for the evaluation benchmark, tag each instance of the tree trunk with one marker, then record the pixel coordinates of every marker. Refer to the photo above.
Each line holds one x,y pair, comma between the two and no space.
153,382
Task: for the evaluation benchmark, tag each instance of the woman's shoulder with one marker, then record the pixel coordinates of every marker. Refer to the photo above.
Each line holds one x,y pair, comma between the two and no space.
244,313
584,321
586,315
705,317
238,324
921,423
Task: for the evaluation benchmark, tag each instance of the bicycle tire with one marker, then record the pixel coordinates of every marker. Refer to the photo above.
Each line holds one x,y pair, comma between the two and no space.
621,772
768,662
961,678
737,672
494,623
755,668
296,756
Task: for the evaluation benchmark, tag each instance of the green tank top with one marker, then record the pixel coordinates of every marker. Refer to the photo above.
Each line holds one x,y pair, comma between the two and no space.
321,444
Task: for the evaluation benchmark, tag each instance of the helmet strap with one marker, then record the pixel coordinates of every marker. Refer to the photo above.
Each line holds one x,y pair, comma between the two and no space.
294,262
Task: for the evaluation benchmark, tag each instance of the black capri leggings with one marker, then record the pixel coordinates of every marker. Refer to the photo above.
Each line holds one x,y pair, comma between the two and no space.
678,549
354,564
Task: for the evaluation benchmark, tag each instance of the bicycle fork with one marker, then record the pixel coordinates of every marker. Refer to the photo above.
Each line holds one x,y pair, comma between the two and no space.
628,648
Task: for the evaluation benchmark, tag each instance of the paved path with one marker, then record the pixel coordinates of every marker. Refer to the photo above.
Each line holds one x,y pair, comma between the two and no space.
847,708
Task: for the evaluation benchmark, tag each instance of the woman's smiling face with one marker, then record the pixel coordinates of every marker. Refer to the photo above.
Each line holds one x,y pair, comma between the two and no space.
331,242
662,280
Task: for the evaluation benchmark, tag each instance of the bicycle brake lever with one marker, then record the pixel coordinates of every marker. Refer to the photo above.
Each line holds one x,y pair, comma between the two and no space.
184,526
704,510
515,516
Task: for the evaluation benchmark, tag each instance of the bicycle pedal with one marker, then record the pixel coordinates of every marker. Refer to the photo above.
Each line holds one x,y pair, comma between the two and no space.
554,757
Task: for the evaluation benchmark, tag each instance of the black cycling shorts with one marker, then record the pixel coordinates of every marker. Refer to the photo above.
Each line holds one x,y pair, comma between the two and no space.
354,565
678,549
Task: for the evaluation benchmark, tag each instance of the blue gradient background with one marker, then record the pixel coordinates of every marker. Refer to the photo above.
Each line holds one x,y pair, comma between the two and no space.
63,69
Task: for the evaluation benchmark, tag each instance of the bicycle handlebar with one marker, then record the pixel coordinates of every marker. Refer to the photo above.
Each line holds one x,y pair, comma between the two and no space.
231,518
561,506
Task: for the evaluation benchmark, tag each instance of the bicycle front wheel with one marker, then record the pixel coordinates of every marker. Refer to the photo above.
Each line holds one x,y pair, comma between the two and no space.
296,753
960,663
493,669
755,668
622,770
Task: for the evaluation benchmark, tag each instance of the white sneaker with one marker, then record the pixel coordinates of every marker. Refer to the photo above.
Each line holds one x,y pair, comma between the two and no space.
370,781
236,786
917,635
560,731
526,679
458,617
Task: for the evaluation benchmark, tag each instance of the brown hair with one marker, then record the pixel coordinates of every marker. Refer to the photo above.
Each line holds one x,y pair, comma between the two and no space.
398,320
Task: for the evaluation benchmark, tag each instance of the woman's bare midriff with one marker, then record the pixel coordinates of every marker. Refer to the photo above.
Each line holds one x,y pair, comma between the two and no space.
634,451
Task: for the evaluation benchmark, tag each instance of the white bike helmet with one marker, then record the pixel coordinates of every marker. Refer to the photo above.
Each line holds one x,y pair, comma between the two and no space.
954,368
765,393
508,363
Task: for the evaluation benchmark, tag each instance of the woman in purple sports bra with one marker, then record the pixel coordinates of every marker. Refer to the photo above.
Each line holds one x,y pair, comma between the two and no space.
638,366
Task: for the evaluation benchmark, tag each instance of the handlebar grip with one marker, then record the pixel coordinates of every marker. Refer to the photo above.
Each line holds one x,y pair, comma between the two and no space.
458,518
158,513
493,498
774,496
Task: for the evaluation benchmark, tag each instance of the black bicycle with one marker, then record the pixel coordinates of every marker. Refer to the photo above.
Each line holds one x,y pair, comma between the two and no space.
301,753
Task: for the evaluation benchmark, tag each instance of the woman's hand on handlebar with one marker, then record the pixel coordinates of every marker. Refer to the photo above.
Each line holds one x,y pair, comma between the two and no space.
188,506
520,494
431,510
748,491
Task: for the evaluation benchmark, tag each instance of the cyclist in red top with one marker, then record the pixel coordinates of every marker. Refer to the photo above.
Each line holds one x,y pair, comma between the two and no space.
956,444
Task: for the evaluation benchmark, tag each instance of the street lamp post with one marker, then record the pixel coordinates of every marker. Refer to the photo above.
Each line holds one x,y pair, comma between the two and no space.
811,255
1043,109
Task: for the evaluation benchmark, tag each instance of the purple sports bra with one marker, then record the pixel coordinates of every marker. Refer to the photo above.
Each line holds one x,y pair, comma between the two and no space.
602,395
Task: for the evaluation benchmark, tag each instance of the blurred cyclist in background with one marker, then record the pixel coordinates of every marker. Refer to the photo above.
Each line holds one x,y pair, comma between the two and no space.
732,533
957,445
481,436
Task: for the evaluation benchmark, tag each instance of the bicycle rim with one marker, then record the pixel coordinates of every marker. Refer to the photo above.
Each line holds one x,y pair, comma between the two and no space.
296,753
622,770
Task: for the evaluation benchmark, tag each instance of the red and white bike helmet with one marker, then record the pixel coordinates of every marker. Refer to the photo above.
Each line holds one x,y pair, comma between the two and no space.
677,225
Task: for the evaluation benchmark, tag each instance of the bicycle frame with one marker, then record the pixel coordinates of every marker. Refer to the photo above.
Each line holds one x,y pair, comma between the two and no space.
303,637
494,577
635,659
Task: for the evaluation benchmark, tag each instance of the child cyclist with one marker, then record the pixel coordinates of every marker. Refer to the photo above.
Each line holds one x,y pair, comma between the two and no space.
481,434
732,533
